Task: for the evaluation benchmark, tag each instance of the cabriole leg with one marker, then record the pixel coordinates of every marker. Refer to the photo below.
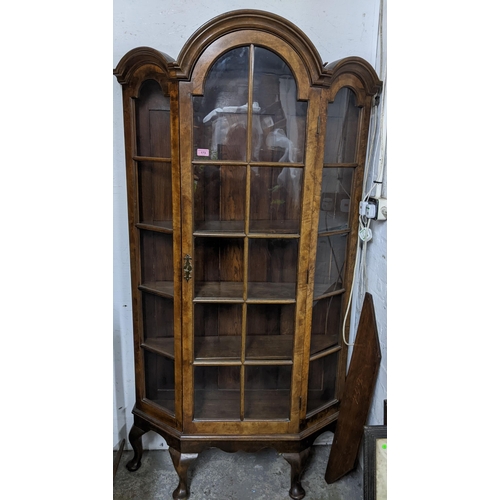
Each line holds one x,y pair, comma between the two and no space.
135,439
181,462
298,463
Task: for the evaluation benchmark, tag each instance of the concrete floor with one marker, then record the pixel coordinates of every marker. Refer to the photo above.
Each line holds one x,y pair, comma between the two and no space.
233,476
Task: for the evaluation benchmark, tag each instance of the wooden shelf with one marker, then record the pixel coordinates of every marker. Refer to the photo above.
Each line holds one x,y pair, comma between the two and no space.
321,342
160,226
232,228
323,291
212,348
259,347
258,229
218,291
163,346
344,229
225,405
217,405
318,400
275,227
283,293
269,347
267,405
232,291
167,400
162,288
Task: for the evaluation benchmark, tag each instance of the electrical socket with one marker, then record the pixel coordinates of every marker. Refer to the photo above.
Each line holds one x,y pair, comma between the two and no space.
381,208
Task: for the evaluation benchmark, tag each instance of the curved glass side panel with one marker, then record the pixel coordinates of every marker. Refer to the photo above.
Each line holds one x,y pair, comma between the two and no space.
220,115
153,121
160,380
341,128
322,382
326,323
335,199
330,263
155,193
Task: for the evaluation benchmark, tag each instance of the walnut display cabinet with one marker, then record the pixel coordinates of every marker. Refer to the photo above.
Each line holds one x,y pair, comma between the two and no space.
245,165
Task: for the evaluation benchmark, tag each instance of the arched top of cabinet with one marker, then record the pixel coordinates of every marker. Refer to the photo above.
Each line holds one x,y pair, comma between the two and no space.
255,20
140,56
235,27
355,66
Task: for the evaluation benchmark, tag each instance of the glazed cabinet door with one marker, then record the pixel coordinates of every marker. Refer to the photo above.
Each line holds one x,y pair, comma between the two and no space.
155,256
242,158
341,174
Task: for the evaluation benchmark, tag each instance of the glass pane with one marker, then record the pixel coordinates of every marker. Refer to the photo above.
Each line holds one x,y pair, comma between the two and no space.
156,257
160,380
155,194
322,380
335,199
267,392
275,275
330,261
217,392
218,268
217,331
279,120
219,198
153,121
326,323
270,329
220,115
341,128
275,199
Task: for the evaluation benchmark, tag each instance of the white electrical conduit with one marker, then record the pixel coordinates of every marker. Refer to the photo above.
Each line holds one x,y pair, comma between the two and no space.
378,131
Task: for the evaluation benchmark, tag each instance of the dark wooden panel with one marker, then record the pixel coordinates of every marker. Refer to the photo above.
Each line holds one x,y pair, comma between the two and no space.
358,394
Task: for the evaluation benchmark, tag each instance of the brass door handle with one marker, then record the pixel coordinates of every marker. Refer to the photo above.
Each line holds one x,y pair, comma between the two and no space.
188,268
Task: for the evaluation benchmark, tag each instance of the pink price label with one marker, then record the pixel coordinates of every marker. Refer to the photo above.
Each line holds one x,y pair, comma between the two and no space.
203,152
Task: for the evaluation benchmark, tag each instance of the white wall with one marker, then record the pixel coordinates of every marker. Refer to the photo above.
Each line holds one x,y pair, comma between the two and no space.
338,28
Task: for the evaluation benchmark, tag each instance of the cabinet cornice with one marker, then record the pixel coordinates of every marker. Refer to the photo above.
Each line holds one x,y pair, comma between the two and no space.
255,20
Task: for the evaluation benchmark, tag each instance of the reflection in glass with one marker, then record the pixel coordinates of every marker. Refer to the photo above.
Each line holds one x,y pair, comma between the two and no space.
341,128
220,115
267,392
272,270
153,121
217,392
217,331
160,380
155,193
335,199
330,261
270,329
219,198
322,381
275,199
281,119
